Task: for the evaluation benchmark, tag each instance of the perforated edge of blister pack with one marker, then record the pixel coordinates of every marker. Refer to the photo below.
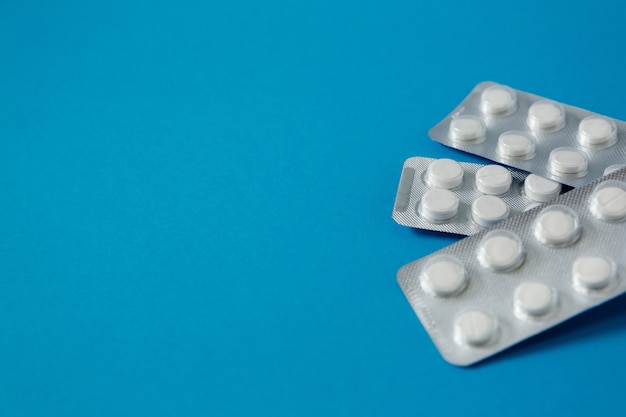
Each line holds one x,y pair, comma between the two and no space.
544,139
414,185
492,292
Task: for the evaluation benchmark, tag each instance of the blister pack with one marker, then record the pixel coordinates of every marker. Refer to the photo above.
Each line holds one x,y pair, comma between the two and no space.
499,287
557,141
465,198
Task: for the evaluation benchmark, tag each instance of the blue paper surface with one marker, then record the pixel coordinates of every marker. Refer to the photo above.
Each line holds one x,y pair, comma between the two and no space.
195,205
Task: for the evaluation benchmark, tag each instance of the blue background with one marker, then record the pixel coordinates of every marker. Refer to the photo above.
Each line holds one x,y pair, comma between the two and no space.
196,200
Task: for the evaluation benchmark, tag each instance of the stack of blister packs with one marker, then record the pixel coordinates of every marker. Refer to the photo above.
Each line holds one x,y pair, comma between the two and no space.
539,250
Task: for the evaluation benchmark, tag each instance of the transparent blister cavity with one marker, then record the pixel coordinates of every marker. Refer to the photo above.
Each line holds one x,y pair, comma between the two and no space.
439,205
516,145
608,201
489,210
527,274
467,129
444,173
493,180
540,189
501,251
533,300
557,226
568,162
498,100
597,131
443,276
592,274
525,135
546,115
464,198
475,328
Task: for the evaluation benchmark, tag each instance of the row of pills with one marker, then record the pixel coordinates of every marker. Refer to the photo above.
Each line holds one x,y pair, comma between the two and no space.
542,116
514,144
531,300
490,291
541,136
445,276
503,251
464,198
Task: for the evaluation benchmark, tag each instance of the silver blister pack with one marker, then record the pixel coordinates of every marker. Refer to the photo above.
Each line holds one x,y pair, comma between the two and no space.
522,130
496,288
465,198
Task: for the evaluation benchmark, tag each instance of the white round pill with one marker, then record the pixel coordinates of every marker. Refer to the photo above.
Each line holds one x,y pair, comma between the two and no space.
557,226
439,204
443,276
475,328
546,115
444,173
467,129
493,180
596,130
533,299
515,145
497,99
568,161
488,210
612,168
592,273
540,189
501,251
608,201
